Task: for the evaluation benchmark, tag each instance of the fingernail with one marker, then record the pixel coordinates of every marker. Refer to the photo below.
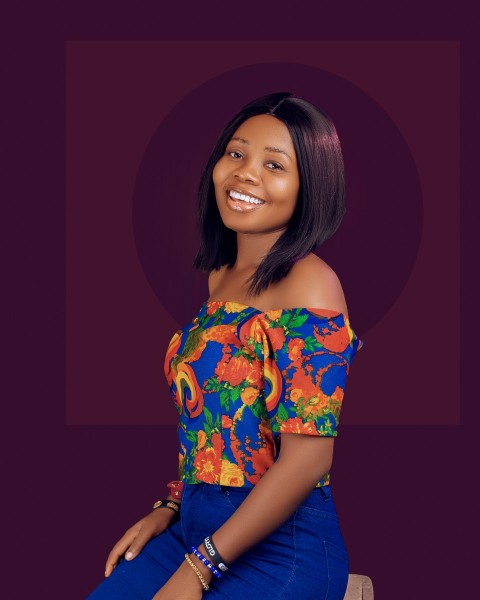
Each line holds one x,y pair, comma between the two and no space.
129,555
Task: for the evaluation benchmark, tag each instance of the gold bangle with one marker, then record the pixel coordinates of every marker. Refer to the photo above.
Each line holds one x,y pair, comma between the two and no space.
197,571
167,503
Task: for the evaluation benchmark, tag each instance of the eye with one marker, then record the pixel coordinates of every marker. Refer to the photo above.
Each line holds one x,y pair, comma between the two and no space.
232,152
277,165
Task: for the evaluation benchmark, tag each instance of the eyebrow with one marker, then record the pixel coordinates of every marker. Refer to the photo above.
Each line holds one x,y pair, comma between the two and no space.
268,148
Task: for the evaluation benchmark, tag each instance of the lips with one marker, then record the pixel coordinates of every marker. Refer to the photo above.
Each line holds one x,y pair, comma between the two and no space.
246,192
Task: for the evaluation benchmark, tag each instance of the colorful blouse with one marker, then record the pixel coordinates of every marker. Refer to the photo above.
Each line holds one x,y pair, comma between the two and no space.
240,377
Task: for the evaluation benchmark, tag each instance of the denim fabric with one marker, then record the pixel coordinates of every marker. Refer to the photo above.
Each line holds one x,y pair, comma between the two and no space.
305,557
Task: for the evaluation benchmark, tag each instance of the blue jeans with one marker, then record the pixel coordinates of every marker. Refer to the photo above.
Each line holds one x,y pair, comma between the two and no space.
305,557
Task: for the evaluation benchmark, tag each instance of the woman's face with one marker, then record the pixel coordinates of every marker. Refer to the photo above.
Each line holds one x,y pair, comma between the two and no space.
260,162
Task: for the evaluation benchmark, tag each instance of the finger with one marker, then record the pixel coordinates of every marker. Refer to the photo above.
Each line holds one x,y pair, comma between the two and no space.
117,551
144,535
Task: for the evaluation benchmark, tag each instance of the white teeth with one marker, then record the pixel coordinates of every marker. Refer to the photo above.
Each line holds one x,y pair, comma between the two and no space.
244,197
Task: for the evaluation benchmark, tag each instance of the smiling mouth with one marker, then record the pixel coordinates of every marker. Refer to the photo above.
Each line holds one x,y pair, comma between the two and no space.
240,202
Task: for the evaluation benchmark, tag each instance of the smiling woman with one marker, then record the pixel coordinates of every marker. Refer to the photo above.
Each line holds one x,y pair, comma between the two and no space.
258,378
285,151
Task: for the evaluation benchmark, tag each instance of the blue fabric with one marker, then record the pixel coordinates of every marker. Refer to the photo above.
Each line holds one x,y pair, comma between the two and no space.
305,557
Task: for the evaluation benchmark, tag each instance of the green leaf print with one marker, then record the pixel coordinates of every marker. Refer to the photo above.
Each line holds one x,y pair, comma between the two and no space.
311,344
296,321
291,320
211,385
225,398
191,436
282,413
235,393
259,410
208,416
191,344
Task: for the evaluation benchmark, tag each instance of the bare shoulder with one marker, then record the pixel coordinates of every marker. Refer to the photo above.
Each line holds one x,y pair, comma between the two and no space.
313,283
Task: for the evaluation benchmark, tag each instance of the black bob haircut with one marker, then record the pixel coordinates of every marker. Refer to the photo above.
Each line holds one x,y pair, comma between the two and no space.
320,205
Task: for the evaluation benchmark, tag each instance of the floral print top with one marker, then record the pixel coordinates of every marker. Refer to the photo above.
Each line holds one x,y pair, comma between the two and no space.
240,377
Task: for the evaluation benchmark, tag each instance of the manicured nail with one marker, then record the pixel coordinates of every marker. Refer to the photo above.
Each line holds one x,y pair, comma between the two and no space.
129,555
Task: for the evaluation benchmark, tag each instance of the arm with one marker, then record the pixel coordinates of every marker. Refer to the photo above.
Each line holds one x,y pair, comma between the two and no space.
135,538
303,460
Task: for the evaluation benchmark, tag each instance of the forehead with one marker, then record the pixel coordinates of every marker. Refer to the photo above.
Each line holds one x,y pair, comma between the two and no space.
266,130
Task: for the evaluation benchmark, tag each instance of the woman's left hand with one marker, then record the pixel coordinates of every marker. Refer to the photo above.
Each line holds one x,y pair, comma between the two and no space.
185,584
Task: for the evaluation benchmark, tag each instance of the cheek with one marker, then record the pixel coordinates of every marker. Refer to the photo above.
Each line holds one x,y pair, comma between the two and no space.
218,178
219,172
288,190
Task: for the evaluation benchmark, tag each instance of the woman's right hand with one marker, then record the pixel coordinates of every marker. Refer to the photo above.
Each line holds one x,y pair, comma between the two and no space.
138,535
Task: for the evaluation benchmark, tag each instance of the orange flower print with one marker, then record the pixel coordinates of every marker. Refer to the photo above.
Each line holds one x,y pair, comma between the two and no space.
265,434
261,460
234,307
218,443
223,334
277,337
222,364
315,406
296,425
206,465
235,371
249,395
201,439
213,306
247,333
295,347
231,474
332,337
226,422
338,394
302,386
274,314
255,375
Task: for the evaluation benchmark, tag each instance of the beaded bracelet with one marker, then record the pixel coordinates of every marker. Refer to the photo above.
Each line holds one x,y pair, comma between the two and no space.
214,554
205,561
197,571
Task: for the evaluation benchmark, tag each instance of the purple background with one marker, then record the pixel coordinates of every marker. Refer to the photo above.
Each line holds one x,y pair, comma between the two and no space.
71,490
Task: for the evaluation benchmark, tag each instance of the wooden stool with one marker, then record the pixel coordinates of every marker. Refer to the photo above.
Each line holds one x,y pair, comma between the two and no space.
359,587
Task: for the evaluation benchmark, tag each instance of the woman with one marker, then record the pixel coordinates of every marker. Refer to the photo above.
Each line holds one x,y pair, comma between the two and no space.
258,379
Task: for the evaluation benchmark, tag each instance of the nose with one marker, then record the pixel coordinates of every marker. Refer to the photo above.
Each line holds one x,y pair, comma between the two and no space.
246,172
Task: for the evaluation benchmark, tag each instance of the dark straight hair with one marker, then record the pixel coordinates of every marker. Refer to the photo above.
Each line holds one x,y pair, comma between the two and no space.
320,205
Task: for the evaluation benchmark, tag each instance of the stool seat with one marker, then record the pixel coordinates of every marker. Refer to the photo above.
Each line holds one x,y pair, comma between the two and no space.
359,587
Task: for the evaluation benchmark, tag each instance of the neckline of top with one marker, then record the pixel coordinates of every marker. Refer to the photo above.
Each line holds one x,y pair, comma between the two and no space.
332,313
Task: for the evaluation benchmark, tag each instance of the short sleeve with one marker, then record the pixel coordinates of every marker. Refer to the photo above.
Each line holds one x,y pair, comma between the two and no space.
306,356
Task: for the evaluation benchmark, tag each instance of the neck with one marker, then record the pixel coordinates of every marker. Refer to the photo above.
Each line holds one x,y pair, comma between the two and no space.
252,248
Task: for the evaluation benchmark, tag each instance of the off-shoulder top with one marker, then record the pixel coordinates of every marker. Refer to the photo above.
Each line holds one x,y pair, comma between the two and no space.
240,377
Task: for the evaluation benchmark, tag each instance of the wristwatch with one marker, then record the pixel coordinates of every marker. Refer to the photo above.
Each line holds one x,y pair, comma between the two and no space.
176,489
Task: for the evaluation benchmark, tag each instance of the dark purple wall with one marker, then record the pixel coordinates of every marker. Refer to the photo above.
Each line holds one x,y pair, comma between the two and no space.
82,464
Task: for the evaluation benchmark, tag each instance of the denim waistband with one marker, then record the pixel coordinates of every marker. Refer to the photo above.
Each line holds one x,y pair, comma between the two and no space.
215,487
320,498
